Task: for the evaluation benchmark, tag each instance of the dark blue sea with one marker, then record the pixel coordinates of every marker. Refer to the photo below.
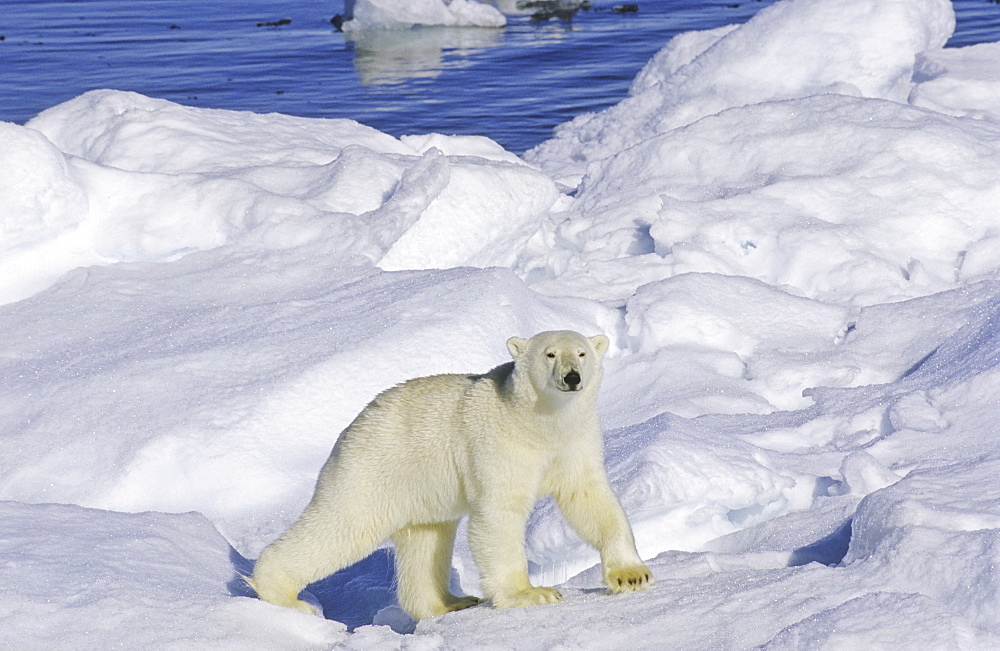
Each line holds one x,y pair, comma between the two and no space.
512,85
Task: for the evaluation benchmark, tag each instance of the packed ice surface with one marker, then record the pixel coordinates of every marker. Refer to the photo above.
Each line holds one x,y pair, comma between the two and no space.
794,247
405,14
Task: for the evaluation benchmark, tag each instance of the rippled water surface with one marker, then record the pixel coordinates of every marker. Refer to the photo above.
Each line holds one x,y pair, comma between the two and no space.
512,85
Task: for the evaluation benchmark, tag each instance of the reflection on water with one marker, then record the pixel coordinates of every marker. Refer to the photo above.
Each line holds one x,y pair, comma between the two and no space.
390,57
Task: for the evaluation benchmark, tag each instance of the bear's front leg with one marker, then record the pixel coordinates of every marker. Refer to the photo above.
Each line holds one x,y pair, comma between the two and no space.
593,510
496,538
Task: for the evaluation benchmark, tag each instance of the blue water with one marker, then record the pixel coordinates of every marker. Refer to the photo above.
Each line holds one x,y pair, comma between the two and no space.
512,85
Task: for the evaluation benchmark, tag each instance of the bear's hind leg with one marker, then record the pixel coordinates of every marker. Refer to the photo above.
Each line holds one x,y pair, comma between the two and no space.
276,586
423,570
313,548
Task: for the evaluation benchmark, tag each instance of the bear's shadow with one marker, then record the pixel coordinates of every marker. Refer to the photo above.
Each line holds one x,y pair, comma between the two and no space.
353,596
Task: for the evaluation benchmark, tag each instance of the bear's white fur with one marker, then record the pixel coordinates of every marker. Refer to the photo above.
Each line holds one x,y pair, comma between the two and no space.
429,451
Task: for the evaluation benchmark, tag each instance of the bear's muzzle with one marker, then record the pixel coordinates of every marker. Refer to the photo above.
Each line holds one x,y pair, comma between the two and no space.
572,380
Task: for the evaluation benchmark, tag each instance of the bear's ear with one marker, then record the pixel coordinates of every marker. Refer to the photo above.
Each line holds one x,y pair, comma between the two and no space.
517,346
600,344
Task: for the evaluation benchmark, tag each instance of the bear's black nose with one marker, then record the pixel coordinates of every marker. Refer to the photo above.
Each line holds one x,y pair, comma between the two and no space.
572,379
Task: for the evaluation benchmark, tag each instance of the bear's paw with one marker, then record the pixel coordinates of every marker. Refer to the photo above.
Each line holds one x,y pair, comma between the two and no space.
629,579
529,597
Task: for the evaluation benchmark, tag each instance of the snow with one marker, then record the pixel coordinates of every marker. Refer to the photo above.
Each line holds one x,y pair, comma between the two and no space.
959,82
788,230
363,15
792,49
88,579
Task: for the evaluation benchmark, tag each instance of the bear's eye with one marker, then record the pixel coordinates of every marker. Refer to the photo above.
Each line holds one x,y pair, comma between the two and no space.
551,355
583,354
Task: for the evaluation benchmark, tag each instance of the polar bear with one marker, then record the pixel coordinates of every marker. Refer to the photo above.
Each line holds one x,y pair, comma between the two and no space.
430,451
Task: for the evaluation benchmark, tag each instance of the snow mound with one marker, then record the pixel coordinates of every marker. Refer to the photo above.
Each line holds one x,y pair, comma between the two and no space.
961,82
788,50
134,179
839,198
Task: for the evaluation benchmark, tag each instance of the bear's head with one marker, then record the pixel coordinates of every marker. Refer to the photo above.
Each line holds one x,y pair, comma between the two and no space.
559,362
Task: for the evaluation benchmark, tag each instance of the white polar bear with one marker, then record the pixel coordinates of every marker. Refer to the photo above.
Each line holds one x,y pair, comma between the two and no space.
429,451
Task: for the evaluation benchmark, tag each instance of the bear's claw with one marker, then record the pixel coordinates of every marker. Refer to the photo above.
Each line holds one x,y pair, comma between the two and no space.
629,579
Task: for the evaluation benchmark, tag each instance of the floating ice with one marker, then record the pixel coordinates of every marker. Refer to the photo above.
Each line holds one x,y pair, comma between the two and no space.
404,14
